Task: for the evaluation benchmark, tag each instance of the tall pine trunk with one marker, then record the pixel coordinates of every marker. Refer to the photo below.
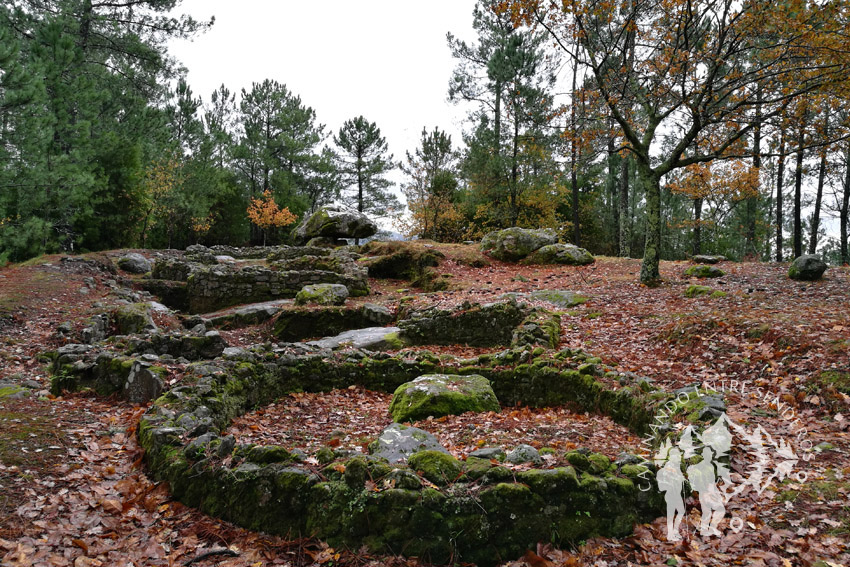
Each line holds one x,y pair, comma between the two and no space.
780,176
514,192
573,161
697,244
625,235
611,191
813,237
798,190
845,209
753,200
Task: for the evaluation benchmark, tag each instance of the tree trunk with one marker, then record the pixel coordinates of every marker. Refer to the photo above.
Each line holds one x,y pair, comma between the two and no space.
813,237
514,191
611,191
798,192
625,236
753,200
845,210
697,226
780,175
649,274
573,161
497,122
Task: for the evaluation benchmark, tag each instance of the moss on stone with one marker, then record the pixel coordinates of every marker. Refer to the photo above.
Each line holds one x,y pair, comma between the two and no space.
704,271
550,481
393,341
635,471
9,391
475,468
697,290
578,460
598,463
438,467
441,394
268,454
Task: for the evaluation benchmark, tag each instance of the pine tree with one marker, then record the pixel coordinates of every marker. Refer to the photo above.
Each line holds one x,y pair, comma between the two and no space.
432,188
509,161
363,163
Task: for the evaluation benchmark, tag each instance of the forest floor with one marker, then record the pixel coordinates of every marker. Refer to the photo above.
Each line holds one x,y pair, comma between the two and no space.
73,490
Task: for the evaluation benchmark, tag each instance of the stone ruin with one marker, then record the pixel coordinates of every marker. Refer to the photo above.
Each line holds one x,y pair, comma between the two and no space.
407,494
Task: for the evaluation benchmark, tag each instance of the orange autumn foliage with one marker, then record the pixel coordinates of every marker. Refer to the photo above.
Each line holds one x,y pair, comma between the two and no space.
265,213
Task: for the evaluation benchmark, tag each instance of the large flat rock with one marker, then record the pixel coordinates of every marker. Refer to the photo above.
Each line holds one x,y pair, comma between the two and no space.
370,338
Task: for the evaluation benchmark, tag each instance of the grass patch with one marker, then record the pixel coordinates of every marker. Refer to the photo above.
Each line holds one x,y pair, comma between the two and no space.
807,496
26,439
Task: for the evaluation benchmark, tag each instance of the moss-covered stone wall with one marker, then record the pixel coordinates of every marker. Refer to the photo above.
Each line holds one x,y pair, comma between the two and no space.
214,288
482,512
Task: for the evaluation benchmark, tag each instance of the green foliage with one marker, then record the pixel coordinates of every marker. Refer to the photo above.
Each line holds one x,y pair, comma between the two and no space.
509,163
432,189
363,166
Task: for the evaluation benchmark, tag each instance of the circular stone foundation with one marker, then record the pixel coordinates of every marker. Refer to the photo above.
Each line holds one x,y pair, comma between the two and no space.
438,508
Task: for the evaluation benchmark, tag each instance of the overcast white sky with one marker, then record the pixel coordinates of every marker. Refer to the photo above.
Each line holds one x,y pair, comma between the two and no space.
385,59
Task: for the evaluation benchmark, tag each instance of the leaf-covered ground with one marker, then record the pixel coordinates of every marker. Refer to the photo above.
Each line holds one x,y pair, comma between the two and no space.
73,491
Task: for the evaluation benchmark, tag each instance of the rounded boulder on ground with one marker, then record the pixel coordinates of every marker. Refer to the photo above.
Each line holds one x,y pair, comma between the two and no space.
566,254
334,222
397,443
808,267
134,263
442,394
322,294
513,244
703,271
708,259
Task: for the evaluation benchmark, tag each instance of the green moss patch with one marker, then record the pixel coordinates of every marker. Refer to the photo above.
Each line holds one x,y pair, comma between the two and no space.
703,271
436,395
419,507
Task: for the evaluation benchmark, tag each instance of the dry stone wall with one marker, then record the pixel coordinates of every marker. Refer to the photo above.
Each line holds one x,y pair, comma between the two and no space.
216,286
500,512
210,289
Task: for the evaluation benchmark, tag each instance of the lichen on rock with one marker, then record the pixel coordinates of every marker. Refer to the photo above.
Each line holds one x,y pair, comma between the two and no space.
513,244
437,395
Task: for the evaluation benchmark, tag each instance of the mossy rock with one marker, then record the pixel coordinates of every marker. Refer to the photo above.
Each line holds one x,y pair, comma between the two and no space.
397,443
442,394
560,298
301,323
334,222
312,263
407,261
564,254
172,294
438,467
598,463
708,259
703,271
702,290
322,294
697,291
133,319
263,455
13,392
514,244
808,267
540,328
578,460
490,324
